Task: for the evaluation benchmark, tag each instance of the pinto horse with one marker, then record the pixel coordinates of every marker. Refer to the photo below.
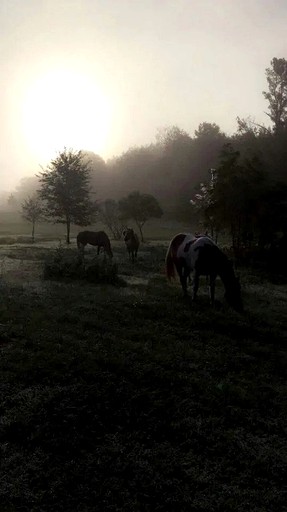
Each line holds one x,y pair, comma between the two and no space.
132,242
188,253
97,238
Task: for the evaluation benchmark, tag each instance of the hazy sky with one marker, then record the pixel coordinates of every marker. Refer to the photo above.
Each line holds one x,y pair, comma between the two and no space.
104,75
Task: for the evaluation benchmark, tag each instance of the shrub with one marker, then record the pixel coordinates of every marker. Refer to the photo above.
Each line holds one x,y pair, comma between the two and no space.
66,263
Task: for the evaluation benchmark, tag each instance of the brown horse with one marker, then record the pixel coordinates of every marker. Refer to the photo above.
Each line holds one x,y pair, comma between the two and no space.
187,253
132,243
97,238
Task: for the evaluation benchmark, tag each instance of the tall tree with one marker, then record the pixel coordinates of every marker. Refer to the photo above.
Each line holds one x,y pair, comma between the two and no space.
140,208
12,202
204,204
277,95
32,211
237,194
175,166
133,170
65,190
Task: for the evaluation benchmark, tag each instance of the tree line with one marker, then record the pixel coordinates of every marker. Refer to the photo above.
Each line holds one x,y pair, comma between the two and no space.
65,197
235,183
246,193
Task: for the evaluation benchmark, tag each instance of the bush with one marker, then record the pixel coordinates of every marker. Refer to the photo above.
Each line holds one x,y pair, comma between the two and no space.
69,264
10,240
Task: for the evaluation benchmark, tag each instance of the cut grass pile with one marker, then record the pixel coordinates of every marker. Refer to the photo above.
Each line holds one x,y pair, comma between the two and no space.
130,399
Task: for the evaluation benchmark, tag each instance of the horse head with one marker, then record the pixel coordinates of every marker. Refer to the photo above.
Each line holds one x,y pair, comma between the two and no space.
128,234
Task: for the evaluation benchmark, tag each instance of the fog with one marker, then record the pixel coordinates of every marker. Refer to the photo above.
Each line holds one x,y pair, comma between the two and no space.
105,75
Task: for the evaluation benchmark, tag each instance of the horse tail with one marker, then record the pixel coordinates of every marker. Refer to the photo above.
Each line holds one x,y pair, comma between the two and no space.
171,260
169,263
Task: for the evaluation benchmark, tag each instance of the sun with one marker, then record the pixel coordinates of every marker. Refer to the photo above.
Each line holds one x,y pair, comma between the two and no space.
63,108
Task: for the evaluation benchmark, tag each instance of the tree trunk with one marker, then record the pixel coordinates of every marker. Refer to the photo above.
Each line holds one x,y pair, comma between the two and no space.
141,232
33,231
68,231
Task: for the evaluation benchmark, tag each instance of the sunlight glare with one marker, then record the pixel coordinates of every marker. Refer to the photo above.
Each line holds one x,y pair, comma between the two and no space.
65,109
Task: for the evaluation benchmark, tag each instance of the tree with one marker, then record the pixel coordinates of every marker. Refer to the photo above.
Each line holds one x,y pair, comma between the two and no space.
249,127
204,204
32,211
133,170
206,130
110,216
65,190
277,95
170,136
237,194
140,208
27,187
12,202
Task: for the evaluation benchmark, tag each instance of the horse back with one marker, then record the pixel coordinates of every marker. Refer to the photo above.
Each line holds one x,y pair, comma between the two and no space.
93,238
210,260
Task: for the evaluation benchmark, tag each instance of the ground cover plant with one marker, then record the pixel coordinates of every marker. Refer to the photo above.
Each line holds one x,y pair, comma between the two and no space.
130,398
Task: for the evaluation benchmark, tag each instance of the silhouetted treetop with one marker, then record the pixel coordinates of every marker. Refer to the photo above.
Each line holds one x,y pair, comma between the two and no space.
277,95
208,130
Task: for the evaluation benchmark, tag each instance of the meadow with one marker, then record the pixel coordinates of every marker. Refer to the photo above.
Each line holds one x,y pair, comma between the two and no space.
128,398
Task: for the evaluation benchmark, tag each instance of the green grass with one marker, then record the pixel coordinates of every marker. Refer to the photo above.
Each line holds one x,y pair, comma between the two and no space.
132,399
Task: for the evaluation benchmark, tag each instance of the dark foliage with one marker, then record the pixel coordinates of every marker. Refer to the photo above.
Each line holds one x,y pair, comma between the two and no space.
69,264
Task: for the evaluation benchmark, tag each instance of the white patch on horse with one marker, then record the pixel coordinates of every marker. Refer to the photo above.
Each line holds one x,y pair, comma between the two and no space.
190,255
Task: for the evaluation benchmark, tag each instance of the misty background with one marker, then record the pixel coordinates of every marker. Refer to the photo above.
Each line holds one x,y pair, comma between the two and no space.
175,76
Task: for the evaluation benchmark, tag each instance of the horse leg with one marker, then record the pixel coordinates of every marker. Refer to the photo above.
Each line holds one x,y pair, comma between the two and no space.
81,248
184,274
212,289
98,251
195,285
183,282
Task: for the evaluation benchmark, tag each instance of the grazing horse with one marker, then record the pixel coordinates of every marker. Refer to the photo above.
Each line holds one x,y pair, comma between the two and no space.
132,242
98,238
188,253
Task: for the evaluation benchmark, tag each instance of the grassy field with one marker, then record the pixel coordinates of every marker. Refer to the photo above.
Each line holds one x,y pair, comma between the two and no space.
132,399
12,224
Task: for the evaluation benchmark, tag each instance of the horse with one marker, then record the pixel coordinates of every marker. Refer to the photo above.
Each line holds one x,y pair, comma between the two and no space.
188,253
97,238
132,242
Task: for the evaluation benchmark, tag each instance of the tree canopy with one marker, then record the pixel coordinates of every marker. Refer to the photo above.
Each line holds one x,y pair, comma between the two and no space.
277,93
65,190
140,208
32,211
